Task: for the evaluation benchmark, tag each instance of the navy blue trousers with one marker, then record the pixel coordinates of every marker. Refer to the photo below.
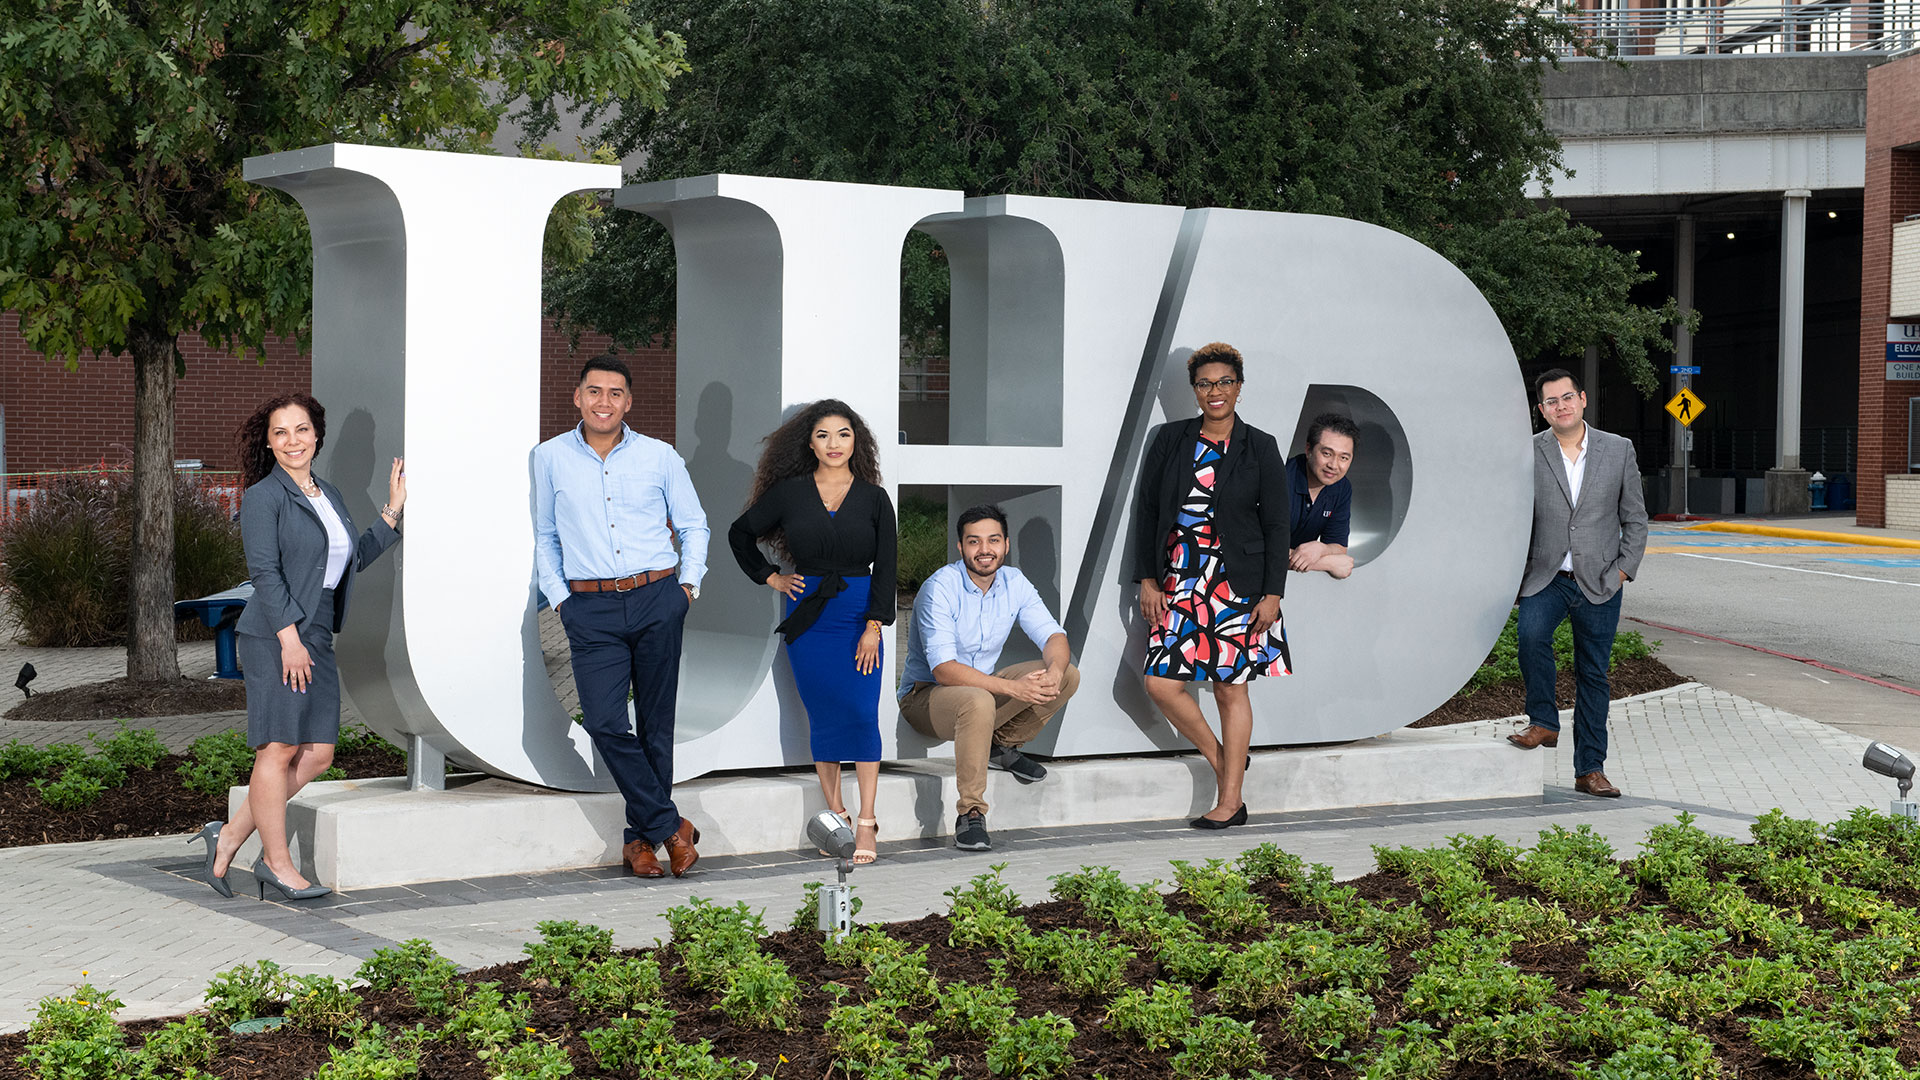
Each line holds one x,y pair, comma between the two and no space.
1593,628
630,641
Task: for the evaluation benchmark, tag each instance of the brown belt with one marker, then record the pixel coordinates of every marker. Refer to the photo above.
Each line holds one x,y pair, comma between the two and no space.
624,584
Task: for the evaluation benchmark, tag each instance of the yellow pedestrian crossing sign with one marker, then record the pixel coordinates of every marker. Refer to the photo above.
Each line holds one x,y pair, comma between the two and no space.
1686,407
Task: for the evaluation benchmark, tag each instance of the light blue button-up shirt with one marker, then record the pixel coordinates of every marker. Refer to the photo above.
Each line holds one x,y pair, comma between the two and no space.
954,620
610,519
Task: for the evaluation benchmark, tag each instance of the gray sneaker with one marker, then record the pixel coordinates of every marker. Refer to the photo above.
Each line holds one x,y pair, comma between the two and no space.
970,832
1007,759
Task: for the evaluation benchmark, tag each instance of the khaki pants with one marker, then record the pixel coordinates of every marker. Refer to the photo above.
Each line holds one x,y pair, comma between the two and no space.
975,719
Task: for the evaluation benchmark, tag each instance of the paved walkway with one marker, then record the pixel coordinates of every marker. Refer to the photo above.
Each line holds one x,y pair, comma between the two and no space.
129,914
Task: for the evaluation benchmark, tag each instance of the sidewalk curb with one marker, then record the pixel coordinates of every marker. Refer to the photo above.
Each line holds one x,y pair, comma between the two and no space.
1808,534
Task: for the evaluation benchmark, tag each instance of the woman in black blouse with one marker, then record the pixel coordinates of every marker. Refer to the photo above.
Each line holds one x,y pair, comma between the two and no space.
817,501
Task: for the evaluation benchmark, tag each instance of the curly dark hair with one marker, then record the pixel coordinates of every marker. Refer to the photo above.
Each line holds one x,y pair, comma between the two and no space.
789,453
256,457
1217,352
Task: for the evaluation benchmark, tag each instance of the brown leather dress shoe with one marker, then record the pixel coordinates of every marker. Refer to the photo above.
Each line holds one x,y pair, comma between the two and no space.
1596,783
641,859
1535,735
680,853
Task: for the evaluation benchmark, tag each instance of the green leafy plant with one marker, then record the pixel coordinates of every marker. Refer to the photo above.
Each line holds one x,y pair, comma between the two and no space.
923,539
131,747
1083,963
430,980
487,1020
321,1003
1405,1051
247,991
182,1044
976,1008
1323,1023
645,1044
216,763
18,760
618,984
531,1059
373,1054
759,992
1217,1046
709,939
564,946
74,1037
866,1037
1154,1018
1228,904
1033,1048
902,976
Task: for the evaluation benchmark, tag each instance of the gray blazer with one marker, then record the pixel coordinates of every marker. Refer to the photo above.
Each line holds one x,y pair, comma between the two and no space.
287,554
1607,532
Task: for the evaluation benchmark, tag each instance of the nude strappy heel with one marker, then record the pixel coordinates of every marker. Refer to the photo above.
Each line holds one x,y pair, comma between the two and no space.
865,856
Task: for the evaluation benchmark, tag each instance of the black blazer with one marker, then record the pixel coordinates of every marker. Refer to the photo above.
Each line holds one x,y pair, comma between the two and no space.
856,541
287,554
1252,501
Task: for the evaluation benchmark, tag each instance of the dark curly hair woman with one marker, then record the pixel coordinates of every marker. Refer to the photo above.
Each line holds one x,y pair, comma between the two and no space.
818,503
302,556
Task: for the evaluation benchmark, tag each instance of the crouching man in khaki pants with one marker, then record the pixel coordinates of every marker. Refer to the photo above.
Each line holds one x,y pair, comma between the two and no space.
961,620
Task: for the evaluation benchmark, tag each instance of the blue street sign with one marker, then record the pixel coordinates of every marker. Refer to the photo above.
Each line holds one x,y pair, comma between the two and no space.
1676,369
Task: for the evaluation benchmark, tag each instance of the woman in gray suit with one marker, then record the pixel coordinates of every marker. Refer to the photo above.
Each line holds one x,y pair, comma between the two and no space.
302,556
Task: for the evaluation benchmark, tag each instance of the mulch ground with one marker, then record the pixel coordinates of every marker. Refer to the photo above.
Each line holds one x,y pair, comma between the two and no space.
126,698
1500,700
152,803
290,1054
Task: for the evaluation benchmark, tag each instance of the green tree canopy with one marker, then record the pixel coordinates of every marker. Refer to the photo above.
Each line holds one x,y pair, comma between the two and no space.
124,221
1422,116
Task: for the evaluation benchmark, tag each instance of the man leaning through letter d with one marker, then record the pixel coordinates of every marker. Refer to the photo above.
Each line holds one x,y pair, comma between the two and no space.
604,496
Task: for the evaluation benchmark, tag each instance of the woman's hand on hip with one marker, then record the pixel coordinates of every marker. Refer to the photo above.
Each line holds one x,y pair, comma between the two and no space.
1153,602
296,665
787,585
1265,614
866,655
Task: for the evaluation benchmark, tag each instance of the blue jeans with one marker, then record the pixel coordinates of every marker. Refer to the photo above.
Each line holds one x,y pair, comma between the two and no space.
1593,628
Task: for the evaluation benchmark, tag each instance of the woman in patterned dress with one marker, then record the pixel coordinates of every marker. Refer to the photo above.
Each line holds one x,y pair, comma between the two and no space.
1211,558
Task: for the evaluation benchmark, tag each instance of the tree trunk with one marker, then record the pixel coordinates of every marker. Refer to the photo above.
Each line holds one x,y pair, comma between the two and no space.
150,644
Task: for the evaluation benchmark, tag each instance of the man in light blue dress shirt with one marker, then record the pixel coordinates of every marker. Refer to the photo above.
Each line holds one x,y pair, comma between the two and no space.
608,504
951,690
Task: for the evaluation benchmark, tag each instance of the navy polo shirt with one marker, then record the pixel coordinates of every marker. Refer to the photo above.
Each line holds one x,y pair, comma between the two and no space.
1325,518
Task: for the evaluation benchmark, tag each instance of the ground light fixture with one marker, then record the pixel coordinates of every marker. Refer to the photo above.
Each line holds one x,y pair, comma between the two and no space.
1891,763
27,675
828,832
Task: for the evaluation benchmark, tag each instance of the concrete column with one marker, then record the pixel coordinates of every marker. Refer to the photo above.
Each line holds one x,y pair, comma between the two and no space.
1787,481
1677,471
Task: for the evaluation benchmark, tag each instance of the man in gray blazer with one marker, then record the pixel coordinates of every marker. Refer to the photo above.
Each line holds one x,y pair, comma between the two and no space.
1589,533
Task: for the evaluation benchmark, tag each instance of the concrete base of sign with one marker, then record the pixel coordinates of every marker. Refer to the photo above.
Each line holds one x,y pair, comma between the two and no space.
357,834
1787,491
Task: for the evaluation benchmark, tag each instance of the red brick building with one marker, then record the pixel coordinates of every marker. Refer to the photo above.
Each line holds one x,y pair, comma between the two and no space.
57,419
1892,193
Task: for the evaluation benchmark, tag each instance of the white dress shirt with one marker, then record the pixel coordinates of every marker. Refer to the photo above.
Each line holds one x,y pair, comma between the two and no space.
1576,472
339,544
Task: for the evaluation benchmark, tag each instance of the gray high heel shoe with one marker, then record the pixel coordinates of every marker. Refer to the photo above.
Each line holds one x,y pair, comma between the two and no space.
210,832
264,876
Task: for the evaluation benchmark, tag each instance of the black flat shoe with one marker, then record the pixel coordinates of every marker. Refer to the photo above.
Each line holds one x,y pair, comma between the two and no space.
210,832
1239,818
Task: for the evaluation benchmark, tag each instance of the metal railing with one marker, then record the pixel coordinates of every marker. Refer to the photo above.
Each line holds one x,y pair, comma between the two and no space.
1748,451
1750,29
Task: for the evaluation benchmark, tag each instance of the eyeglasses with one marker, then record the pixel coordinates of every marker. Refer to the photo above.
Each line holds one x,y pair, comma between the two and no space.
1205,385
1563,399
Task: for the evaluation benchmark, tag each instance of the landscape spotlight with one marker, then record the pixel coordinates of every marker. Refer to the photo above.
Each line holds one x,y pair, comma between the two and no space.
27,675
1891,763
828,832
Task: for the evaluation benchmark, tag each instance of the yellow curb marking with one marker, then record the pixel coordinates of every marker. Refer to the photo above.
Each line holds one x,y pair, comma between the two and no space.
1806,534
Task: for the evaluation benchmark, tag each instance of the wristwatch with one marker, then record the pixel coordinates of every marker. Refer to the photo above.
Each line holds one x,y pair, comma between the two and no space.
693,591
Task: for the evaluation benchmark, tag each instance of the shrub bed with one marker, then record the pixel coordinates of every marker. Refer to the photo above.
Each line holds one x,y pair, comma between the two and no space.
1790,957
65,570
128,785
